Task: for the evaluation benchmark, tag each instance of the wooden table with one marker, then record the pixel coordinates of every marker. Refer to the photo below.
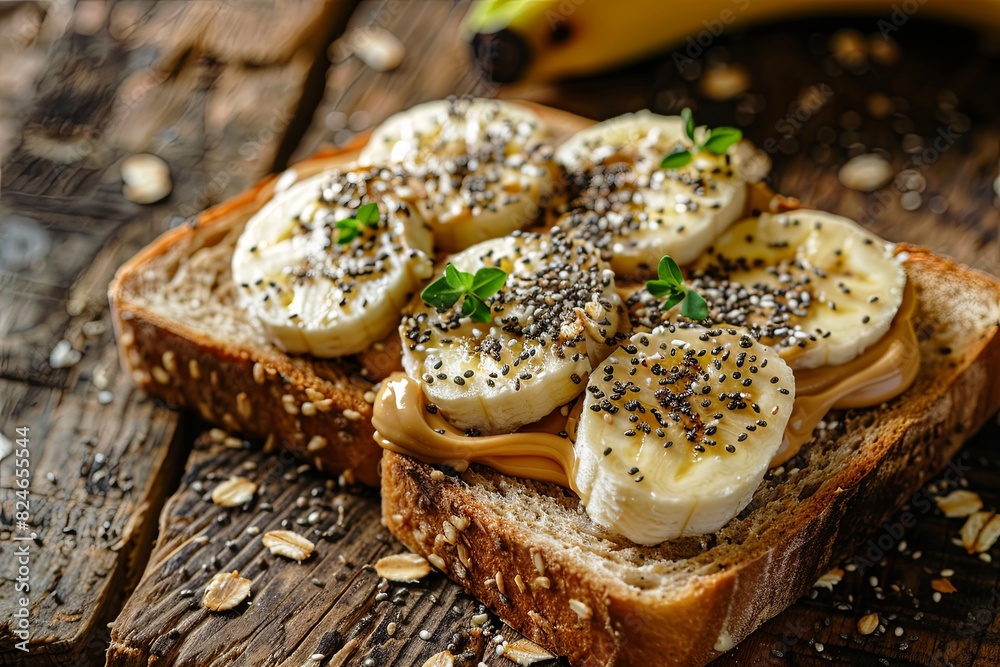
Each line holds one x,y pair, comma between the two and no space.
226,92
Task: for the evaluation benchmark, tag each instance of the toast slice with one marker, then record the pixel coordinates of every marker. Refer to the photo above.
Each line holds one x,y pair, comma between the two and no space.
528,551
183,337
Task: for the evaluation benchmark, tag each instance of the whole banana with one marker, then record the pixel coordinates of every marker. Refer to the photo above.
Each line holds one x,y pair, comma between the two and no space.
539,40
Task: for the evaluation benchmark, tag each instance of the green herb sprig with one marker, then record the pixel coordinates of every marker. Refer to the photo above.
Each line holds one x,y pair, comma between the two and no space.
716,142
349,229
474,290
671,286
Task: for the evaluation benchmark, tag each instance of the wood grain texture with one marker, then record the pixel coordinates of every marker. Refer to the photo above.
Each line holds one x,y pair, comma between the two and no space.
99,473
331,609
113,84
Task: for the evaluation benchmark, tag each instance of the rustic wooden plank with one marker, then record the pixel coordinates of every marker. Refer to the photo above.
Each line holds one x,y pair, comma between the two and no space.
116,84
99,473
331,604
172,79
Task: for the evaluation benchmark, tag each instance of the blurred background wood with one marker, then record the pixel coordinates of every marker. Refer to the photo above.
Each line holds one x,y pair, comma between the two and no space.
226,92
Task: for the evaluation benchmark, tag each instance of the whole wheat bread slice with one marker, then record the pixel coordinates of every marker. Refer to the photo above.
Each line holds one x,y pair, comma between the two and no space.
183,337
529,552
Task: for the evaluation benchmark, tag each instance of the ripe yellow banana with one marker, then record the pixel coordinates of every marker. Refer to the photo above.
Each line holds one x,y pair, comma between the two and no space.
537,40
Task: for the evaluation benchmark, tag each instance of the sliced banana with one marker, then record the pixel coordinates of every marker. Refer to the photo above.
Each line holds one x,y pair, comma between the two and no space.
817,286
677,430
636,211
315,295
486,167
557,316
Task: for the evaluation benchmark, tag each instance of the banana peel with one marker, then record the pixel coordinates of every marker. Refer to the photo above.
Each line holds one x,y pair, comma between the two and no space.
544,40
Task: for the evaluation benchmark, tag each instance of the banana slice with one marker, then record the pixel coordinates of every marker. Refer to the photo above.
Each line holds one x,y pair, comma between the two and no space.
313,294
677,430
557,316
486,166
634,210
816,286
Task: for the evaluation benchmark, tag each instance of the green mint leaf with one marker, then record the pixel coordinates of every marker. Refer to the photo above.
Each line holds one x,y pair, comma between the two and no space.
446,291
659,288
669,272
368,215
676,160
488,281
347,230
460,280
695,306
440,295
688,119
721,138
476,309
671,285
675,298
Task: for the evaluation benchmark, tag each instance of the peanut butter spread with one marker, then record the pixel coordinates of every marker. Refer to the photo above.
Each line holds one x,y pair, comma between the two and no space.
543,451
882,372
405,423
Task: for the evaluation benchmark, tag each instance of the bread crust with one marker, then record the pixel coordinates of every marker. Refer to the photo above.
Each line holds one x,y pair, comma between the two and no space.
910,441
